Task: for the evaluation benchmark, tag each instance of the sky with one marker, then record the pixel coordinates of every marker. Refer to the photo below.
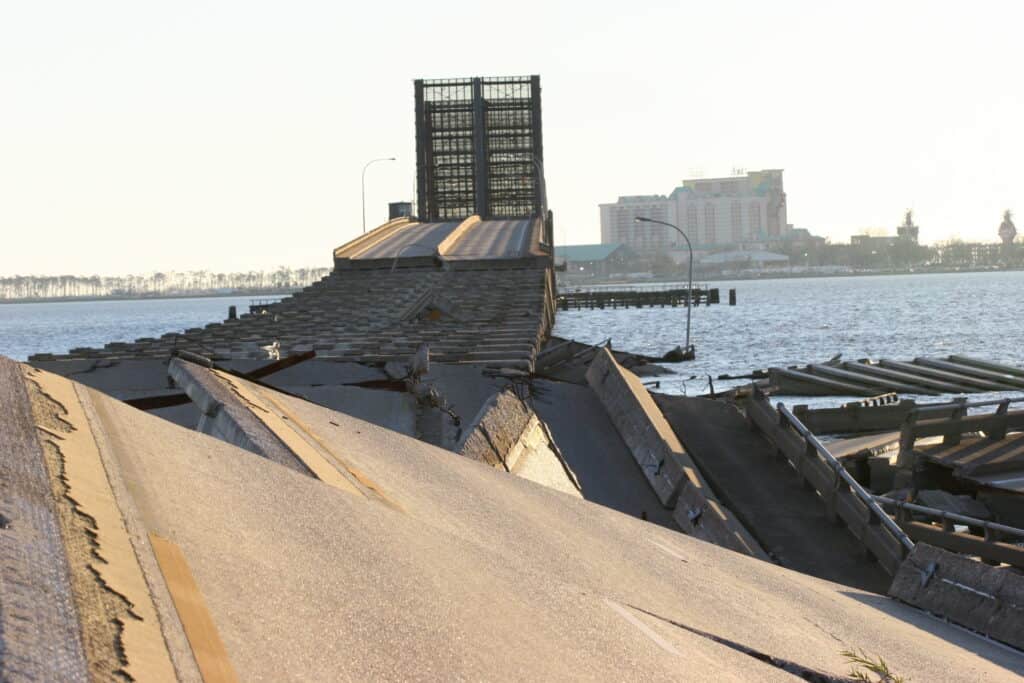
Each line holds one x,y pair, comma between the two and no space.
230,136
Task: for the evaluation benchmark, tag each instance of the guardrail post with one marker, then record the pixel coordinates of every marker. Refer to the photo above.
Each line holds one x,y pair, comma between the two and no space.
953,438
905,457
999,421
810,453
832,502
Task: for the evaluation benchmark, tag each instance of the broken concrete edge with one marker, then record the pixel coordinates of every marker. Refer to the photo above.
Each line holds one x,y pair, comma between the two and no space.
980,597
495,430
354,247
671,473
102,549
505,429
557,351
224,415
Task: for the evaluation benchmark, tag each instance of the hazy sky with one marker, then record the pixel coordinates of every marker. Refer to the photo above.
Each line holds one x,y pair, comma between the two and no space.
140,136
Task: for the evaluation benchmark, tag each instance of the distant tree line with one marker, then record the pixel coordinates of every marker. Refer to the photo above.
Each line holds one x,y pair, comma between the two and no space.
173,283
901,254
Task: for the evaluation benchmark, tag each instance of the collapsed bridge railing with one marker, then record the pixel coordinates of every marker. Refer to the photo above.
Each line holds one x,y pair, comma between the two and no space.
844,498
989,547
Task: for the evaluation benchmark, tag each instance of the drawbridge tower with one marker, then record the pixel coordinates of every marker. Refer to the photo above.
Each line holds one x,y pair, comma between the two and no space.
479,148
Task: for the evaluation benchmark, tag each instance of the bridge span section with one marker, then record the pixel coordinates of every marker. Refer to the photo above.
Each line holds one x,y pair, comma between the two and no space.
475,291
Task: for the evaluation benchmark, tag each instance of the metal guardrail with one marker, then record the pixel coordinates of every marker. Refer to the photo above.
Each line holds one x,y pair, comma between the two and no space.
952,516
931,407
865,497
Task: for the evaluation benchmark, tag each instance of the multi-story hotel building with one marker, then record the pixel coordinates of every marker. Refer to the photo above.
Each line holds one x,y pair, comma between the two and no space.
713,212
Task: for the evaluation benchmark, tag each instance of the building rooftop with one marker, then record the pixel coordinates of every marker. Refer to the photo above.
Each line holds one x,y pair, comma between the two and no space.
586,252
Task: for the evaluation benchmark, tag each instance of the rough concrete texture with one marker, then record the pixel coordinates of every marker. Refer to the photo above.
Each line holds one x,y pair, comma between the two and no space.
226,415
987,599
539,459
120,627
707,519
39,633
596,454
464,387
507,434
391,409
495,429
567,360
668,468
304,581
642,426
787,519
322,372
120,378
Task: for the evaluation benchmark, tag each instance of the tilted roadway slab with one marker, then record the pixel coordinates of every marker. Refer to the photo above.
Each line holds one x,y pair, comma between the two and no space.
592,447
416,240
762,490
455,571
495,239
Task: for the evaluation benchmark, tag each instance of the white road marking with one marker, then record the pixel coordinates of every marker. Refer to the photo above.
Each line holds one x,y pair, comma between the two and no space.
644,628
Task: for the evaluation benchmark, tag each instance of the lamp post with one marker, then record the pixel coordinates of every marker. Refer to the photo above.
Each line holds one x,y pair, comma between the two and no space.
368,164
689,353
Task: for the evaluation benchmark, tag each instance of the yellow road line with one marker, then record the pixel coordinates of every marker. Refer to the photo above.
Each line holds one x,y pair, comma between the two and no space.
321,468
297,425
211,656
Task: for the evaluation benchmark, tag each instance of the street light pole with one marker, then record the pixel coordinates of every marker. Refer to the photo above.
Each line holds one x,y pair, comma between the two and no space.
689,353
368,163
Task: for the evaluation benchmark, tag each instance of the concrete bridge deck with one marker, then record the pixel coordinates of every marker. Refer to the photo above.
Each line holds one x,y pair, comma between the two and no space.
389,559
785,517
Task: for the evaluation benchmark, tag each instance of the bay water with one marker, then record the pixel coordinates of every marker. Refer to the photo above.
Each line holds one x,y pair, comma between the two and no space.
776,322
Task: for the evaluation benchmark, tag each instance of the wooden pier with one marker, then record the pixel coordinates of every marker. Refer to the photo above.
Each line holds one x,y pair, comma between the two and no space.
638,297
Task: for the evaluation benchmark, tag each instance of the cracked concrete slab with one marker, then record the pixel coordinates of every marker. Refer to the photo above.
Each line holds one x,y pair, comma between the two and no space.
305,581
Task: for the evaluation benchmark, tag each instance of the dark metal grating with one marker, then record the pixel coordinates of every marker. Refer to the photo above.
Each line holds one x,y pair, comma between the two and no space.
479,148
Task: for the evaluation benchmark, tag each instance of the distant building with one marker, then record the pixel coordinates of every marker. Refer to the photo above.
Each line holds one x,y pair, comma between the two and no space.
874,242
1007,230
713,212
618,226
743,259
908,231
594,259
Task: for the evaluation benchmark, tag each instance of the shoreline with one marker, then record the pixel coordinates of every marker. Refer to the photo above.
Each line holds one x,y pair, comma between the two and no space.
153,297
773,275
676,277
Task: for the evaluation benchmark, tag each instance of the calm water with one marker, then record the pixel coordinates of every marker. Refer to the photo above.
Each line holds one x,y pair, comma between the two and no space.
777,322
59,326
788,322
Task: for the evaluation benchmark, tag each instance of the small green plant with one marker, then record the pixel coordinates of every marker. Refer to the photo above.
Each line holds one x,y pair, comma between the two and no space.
864,668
